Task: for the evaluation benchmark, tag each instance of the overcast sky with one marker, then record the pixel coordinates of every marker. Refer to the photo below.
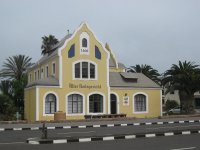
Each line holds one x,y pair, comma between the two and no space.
154,32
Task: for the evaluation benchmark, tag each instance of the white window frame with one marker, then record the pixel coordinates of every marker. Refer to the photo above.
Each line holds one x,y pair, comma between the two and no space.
57,103
66,104
53,73
104,103
147,103
86,36
88,61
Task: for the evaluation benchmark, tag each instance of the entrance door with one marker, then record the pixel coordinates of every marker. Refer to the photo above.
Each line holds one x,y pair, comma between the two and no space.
113,104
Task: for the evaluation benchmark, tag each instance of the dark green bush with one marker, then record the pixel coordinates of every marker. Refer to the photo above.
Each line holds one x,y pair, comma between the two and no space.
170,104
7,108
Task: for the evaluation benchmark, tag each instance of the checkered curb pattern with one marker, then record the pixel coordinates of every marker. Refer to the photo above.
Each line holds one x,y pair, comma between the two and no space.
104,125
108,138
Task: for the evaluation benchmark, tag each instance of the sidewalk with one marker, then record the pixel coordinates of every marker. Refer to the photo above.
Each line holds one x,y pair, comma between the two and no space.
97,122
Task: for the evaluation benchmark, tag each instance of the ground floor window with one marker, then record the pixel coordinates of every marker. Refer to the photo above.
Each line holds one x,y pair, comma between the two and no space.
140,103
50,104
96,103
75,104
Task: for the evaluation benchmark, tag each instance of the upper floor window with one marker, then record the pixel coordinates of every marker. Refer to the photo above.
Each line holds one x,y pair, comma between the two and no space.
84,43
54,68
38,74
42,73
97,53
71,52
30,77
35,75
47,71
84,70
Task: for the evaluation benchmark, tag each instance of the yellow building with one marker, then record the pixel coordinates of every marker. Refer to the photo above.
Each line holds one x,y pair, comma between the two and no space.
81,76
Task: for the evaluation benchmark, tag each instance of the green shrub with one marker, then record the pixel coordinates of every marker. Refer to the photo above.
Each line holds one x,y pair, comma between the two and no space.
170,104
7,108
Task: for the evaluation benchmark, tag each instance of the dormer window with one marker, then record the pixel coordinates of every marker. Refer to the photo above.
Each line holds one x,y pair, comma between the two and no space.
84,44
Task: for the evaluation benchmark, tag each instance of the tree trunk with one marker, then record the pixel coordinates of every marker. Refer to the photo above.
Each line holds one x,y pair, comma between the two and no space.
187,102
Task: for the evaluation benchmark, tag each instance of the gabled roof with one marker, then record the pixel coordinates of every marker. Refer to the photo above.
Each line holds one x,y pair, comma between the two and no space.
123,80
53,52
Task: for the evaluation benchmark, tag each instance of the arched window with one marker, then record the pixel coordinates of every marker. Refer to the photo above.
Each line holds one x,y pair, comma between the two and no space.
75,104
50,104
96,103
84,42
140,103
84,70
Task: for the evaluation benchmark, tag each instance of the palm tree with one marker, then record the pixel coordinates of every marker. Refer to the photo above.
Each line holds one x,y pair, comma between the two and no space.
15,67
6,88
184,77
147,70
15,70
48,42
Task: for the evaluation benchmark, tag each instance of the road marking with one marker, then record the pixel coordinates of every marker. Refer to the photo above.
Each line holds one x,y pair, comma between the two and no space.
84,139
96,126
159,122
108,138
12,143
59,141
66,127
136,124
110,125
186,132
174,127
169,134
82,126
123,124
184,148
51,128
17,129
35,128
2,129
77,132
148,123
150,135
130,136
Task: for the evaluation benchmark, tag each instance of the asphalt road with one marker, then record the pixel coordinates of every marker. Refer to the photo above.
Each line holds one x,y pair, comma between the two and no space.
21,136
181,142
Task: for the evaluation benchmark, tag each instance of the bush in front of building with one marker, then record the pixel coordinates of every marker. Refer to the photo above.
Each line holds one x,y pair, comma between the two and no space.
7,108
170,104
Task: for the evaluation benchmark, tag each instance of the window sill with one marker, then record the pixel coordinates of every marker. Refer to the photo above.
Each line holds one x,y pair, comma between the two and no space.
140,112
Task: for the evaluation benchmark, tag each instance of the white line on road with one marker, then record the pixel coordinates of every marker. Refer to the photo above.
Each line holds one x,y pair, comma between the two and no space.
184,148
77,132
12,143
